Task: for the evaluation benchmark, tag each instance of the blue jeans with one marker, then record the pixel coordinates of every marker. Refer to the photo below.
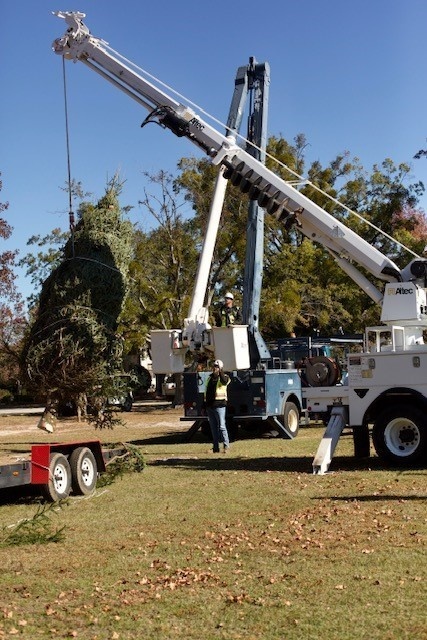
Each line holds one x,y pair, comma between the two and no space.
216,417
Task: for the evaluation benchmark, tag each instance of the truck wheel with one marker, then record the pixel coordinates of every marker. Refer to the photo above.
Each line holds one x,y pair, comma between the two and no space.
291,418
59,485
84,471
400,436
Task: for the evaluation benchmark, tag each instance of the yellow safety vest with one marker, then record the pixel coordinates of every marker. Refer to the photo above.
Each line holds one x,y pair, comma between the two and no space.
221,389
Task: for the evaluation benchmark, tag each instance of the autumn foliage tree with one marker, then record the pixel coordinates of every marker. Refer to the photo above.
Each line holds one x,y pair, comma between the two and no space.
304,290
164,262
12,318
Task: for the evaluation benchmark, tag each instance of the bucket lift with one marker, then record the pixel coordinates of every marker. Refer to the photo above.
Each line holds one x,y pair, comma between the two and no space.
241,347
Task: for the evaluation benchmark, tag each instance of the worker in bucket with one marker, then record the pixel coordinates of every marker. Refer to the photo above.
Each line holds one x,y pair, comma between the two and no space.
216,405
228,313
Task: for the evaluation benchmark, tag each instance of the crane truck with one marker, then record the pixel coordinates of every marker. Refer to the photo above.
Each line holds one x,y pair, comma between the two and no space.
385,389
276,403
269,402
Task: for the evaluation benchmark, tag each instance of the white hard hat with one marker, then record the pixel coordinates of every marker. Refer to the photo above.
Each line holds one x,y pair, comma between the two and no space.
229,295
219,363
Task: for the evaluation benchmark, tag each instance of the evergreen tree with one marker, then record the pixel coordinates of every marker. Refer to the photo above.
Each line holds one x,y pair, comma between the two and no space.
73,348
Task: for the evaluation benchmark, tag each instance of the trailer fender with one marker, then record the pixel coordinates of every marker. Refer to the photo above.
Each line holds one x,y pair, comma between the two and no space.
41,453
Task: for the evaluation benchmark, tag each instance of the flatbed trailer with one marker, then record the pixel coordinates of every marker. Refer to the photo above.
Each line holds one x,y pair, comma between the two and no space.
59,469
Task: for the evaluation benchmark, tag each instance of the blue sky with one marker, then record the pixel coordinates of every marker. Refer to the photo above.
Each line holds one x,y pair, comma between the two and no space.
349,75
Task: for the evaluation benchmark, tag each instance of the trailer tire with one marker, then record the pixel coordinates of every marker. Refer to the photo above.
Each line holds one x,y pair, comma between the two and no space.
59,485
400,435
291,418
84,471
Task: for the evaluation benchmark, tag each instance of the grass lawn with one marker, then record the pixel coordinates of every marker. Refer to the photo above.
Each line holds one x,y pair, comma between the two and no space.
248,545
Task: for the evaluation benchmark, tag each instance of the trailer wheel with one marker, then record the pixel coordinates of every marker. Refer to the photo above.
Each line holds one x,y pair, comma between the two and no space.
59,485
84,471
291,418
400,436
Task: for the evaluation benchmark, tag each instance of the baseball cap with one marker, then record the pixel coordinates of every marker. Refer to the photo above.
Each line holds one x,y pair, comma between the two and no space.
229,296
219,363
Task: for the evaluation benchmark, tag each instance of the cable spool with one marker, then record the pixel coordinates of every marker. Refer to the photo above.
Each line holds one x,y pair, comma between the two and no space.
322,371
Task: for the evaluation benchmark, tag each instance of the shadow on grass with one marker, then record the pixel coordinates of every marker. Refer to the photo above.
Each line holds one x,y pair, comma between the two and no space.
284,464
371,498
185,437
151,408
25,494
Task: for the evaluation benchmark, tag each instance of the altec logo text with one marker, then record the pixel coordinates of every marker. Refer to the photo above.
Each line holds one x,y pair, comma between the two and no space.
400,291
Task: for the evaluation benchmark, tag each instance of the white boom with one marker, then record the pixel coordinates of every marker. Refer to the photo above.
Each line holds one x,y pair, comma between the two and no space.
275,195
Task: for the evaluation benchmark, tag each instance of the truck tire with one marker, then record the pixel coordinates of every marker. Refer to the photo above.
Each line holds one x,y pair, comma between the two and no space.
84,471
59,485
291,418
400,435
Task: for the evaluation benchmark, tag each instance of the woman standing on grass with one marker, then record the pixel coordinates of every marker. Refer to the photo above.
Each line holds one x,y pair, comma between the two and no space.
216,404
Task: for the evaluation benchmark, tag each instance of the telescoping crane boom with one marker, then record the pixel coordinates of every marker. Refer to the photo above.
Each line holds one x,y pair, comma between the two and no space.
277,197
385,389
